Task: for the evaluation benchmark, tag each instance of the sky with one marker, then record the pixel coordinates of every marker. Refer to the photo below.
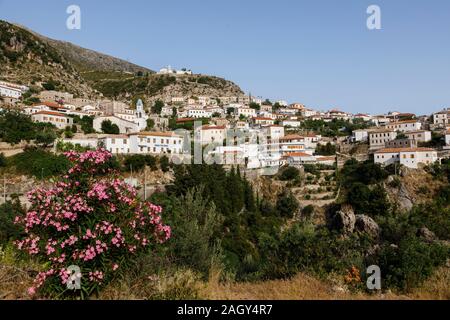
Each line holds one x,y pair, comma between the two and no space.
316,52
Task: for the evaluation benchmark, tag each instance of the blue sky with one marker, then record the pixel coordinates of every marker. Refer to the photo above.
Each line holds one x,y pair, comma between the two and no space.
318,52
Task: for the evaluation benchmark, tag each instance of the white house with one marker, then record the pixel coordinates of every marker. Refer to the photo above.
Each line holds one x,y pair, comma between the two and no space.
246,112
294,143
405,126
59,120
211,134
117,144
262,121
441,118
291,123
409,157
361,135
156,143
11,90
447,138
199,113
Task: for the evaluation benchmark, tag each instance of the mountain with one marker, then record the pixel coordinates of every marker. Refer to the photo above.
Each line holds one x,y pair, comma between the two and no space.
29,58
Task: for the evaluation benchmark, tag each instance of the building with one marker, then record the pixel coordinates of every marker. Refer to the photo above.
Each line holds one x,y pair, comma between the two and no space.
401,143
199,113
299,158
362,117
11,90
378,138
308,113
291,123
441,118
144,143
409,157
156,143
294,143
125,126
59,120
447,138
361,135
211,134
170,70
262,121
117,144
246,112
419,136
405,126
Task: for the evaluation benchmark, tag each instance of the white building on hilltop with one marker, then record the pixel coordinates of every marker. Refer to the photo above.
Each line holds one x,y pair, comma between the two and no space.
169,70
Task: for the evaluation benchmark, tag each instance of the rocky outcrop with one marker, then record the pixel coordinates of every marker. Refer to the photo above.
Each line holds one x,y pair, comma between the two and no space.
344,220
426,234
366,224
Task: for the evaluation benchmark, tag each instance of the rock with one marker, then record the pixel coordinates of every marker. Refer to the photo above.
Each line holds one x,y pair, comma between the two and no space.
426,234
404,199
344,220
367,225
373,250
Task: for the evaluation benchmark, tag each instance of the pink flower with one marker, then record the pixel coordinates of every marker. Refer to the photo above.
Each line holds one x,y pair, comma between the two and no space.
31,291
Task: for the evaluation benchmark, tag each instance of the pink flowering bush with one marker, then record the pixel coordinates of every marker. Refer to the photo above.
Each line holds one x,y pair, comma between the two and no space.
91,219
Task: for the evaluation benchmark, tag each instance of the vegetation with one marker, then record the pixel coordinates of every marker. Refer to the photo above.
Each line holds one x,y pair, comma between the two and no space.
16,127
38,163
335,127
110,128
83,232
326,150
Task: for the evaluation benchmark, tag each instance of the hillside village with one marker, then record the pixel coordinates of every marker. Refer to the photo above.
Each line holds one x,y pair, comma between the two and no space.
238,130
279,194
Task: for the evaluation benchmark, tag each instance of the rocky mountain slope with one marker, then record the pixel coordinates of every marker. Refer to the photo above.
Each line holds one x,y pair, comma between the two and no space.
25,59
32,59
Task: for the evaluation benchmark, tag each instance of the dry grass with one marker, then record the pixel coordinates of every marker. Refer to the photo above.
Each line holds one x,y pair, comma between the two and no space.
304,287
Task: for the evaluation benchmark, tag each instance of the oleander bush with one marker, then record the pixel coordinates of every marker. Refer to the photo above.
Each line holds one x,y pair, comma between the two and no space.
90,219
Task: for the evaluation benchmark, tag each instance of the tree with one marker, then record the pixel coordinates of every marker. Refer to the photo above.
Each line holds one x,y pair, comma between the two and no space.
255,106
150,124
110,128
45,137
290,173
164,163
2,160
16,127
326,150
287,204
157,107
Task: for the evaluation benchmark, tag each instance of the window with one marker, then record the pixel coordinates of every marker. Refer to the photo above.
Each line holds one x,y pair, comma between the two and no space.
113,141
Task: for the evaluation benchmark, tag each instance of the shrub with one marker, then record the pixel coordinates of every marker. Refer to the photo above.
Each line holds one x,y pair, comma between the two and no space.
308,210
8,211
90,219
287,205
289,173
110,128
409,264
39,163
164,163
2,160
